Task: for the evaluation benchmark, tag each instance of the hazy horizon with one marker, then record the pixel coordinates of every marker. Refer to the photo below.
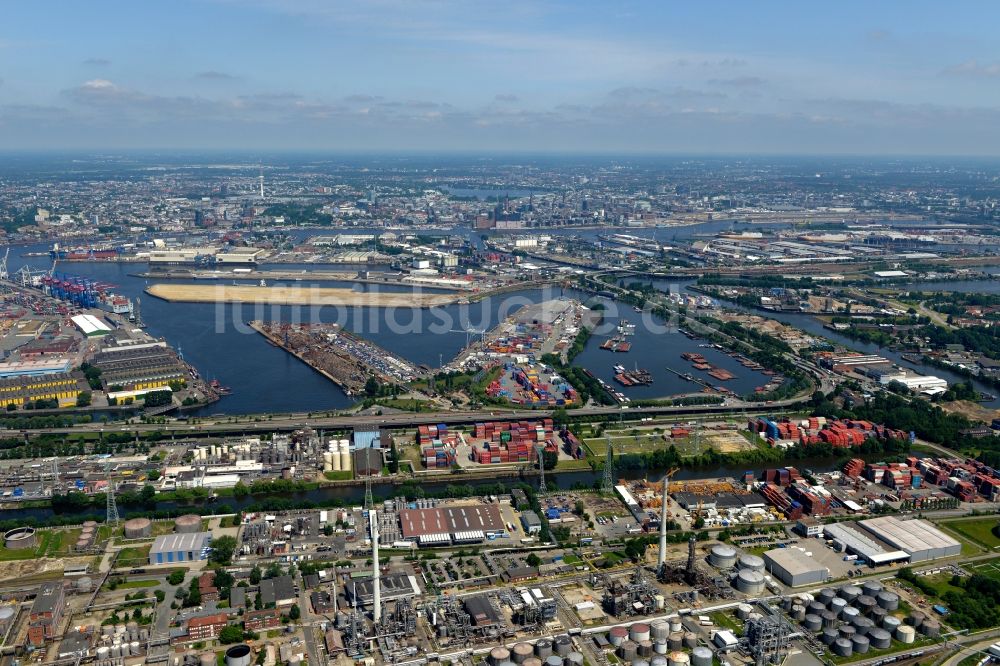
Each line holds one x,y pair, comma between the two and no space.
437,76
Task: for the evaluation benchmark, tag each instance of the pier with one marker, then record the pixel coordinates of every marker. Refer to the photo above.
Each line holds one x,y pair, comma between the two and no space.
296,295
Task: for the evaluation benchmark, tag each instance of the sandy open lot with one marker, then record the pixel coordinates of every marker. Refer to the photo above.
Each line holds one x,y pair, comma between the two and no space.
219,293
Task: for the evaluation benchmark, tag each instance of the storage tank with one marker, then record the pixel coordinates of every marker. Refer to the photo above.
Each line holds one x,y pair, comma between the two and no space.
842,647
871,587
335,458
829,619
837,605
750,582
888,600
659,630
103,652
639,662
722,556
498,655
628,650
678,659
639,632
877,615
676,640
659,660
208,659
126,650
136,648
751,562
521,652
850,592
187,524
743,611
880,638
891,623
860,644
930,628
646,649
701,656
690,639
812,622
617,635
543,648
829,636
798,612
916,619
849,614
19,538
84,584
532,661
553,660
906,634
661,601
826,595
815,607
574,659
865,604
562,645
863,625
848,631
138,528
661,647
345,456
328,461
675,624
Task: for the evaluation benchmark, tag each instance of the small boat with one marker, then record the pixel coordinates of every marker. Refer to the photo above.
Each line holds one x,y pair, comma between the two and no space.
219,388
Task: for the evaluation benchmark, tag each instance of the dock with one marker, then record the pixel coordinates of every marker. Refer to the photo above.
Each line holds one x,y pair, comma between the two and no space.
307,276
296,295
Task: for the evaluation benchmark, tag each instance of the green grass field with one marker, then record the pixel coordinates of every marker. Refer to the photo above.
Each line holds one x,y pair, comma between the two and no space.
979,531
134,555
989,568
49,543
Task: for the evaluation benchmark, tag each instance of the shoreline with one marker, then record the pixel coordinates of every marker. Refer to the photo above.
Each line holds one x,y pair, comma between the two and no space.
312,296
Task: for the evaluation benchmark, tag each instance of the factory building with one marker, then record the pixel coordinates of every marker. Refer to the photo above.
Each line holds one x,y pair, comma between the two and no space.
139,368
62,387
189,547
457,524
851,539
279,591
393,586
46,613
794,567
918,538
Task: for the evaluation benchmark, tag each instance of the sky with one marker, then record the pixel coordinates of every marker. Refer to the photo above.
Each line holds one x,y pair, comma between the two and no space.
599,77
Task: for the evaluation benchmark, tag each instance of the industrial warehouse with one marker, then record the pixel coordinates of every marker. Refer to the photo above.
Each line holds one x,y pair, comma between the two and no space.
185,547
453,524
887,539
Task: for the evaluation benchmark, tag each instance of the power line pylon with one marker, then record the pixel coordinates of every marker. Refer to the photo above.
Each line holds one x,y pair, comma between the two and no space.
112,514
608,483
541,469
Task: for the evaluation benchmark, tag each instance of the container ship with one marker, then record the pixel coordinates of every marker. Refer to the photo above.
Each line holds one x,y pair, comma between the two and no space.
86,293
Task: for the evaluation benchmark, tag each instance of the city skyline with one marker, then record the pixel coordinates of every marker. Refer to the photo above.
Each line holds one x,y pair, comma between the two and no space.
388,76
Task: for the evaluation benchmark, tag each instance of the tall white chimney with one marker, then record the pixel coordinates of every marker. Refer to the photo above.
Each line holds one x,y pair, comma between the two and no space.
664,516
376,573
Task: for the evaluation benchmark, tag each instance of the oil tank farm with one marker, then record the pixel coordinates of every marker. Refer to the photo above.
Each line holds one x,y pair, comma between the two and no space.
794,568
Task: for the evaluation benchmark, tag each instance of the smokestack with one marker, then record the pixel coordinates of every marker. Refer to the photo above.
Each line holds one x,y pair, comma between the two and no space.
664,514
376,573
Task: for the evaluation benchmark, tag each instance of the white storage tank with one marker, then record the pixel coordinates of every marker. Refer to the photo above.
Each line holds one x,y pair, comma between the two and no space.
722,556
345,456
678,659
335,458
701,656
750,582
238,655
751,562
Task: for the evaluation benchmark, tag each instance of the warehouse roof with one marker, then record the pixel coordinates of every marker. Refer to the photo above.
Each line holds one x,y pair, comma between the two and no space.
47,598
277,589
418,522
90,325
863,543
909,535
450,520
177,542
793,560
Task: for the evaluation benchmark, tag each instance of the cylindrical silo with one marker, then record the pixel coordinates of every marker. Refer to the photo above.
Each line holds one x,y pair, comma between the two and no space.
661,647
103,652
837,605
646,649
659,630
628,650
617,635
891,623
880,638
842,647
916,619
930,628
865,604
751,562
815,607
188,523
138,528
562,645
812,622
126,650
639,632
742,611
860,644
521,652
847,631
701,656
850,592
826,595
675,624
690,639
906,634
676,640
498,655
136,648
750,582
574,659
871,587
888,600
829,619
345,456
543,648
829,636
722,556
678,659
798,612
877,615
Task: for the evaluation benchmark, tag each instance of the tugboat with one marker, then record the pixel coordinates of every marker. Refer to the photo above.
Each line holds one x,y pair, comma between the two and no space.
219,388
